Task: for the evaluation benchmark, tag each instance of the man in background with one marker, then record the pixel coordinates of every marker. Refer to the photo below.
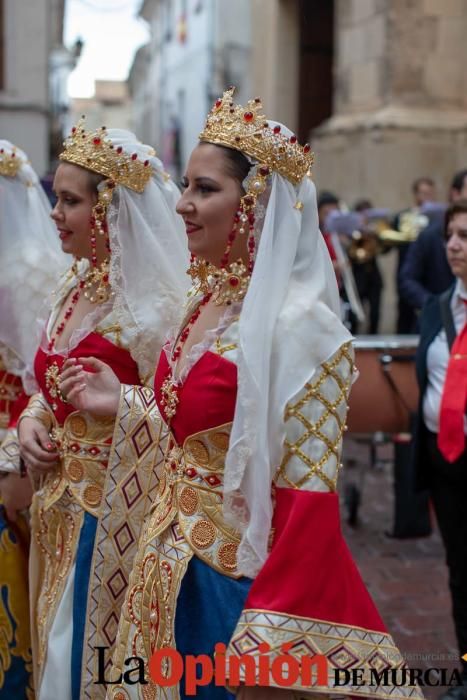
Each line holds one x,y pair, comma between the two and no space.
423,190
425,270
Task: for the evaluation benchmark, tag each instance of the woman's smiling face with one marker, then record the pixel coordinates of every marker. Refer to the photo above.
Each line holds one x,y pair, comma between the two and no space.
76,196
209,204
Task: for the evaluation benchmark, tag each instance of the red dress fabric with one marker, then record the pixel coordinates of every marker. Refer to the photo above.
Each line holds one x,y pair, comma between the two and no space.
93,345
307,530
206,399
306,524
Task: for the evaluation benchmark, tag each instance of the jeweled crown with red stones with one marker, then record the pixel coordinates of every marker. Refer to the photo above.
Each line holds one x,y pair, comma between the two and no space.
9,163
247,130
95,151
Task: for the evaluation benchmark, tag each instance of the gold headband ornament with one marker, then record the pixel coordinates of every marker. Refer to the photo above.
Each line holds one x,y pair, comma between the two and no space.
9,163
95,151
247,130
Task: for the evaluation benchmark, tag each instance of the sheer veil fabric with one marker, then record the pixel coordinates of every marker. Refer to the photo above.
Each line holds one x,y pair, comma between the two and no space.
31,260
288,326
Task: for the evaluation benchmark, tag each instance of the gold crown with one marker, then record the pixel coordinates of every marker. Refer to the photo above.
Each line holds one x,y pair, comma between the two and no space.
93,151
247,130
9,163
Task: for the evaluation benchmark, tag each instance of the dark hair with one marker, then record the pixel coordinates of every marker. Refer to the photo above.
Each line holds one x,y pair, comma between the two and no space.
237,164
422,181
458,180
326,198
93,180
362,205
459,207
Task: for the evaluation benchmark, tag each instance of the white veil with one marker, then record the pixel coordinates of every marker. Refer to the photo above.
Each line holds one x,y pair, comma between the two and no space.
31,260
289,325
149,256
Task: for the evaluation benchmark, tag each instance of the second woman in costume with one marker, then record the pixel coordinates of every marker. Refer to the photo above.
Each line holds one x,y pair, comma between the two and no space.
115,214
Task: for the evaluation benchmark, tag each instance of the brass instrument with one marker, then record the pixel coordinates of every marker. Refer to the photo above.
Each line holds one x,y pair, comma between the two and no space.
410,224
366,241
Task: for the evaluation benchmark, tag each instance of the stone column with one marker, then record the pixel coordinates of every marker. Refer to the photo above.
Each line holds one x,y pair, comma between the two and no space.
400,99
275,58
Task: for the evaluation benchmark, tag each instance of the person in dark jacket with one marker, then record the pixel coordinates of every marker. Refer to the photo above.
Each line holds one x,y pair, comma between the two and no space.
425,269
440,451
423,190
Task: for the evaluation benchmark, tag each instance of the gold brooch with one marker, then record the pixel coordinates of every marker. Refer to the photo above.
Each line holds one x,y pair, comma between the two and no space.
169,399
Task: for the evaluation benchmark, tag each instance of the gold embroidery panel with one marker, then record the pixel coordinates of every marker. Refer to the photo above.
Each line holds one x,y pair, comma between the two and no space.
315,421
56,531
192,490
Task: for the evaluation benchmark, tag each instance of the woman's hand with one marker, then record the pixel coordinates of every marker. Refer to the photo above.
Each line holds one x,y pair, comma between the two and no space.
90,385
38,452
16,494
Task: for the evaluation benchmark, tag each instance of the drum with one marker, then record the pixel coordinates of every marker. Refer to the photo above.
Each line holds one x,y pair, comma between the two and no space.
386,390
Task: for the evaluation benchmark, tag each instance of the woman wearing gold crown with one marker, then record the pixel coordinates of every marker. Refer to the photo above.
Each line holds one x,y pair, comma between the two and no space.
115,213
242,546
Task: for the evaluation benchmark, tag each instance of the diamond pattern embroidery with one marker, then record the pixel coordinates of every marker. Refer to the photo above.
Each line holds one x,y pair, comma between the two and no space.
110,628
117,583
131,490
124,538
141,439
342,657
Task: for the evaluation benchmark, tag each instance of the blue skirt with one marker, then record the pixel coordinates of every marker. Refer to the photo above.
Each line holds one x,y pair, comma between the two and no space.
208,608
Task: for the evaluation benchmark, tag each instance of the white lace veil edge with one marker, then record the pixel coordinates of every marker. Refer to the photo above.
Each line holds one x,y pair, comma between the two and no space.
288,326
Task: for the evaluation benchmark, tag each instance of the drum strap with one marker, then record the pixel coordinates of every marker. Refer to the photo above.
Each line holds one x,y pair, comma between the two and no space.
446,316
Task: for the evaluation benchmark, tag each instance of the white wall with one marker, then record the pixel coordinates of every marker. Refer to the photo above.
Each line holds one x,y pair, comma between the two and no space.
24,101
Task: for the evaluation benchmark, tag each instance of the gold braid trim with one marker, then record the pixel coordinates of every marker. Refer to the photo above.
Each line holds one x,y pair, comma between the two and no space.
335,411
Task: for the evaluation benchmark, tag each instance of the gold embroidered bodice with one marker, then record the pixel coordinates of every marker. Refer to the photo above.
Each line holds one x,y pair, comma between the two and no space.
190,491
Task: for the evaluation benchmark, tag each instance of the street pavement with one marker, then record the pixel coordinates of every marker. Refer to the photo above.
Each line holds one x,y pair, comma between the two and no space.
406,578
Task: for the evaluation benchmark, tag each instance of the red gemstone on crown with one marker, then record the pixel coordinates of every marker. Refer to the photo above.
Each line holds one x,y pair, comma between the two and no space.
119,149
234,281
248,116
218,103
277,129
73,131
96,141
293,139
264,171
134,156
306,148
146,163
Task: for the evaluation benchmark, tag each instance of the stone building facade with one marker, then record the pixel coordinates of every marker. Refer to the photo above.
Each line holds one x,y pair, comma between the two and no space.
197,47
395,72
34,67
400,98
